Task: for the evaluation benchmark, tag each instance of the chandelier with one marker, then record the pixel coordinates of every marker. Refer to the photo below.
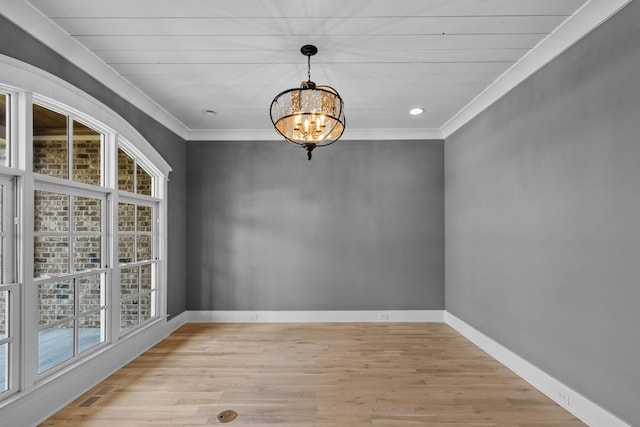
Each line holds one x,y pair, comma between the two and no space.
310,116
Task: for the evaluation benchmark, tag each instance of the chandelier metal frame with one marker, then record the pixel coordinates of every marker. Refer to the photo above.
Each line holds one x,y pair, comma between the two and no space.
309,116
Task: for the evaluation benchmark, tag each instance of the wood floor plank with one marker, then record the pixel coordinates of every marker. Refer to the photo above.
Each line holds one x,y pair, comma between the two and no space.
314,375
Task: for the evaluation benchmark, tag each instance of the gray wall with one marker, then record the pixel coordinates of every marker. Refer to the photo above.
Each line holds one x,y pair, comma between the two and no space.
18,44
360,227
542,218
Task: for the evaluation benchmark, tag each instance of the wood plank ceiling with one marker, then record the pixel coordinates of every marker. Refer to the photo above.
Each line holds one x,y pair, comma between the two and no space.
384,57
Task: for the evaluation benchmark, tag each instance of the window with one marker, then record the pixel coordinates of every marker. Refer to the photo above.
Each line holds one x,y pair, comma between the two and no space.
4,129
132,177
61,144
71,251
50,143
68,255
8,283
8,287
75,278
69,238
137,252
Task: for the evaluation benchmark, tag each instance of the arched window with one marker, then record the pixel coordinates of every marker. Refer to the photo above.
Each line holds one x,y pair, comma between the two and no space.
82,229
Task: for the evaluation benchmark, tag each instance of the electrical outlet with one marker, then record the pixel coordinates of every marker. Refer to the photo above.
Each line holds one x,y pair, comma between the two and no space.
253,317
383,316
563,397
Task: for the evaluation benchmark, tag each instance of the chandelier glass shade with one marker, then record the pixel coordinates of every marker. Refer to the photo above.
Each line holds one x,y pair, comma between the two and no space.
310,116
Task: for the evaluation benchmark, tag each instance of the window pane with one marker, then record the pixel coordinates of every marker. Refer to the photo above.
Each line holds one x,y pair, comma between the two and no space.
1,207
144,251
1,259
4,129
87,214
128,314
86,253
55,345
126,217
146,277
129,281
4,314
145,218
144,181
90,332
90,292
51,211
126,246
4,368
55,301
125,171
51,256
50,143
145,307
87,149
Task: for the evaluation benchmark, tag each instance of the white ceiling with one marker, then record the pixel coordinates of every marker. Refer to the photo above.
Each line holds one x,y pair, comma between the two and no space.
383,56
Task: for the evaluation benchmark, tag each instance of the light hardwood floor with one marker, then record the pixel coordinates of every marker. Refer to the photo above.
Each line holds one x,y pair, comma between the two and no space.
303,375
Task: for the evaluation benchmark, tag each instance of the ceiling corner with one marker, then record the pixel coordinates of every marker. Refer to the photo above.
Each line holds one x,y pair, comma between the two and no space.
574,28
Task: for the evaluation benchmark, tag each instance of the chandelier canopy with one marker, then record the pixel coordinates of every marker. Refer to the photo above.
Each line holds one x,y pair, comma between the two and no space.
310,116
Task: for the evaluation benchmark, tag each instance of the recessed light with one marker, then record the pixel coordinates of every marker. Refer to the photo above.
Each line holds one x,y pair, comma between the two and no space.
210,112
416,111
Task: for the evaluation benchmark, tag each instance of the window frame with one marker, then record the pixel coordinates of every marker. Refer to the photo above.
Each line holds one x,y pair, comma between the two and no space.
154,261
72,189
9,283
10,125
160,230
26,84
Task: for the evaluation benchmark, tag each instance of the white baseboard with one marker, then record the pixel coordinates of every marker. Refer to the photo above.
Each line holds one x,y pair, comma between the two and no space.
176,321
583,408
316,316
29,408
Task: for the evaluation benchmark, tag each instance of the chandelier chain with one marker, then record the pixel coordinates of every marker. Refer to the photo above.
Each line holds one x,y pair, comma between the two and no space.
308,68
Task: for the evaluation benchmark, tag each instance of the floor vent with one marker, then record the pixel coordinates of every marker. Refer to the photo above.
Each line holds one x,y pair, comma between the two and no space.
90,401
227,416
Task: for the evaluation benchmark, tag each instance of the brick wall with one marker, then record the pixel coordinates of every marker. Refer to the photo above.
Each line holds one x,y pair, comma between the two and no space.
125,171
53,253
3,312
126,166
3,148
3,130
55,301
87,161
50,157
133,305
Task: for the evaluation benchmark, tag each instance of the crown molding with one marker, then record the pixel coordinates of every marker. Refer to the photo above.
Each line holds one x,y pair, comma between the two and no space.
591,15
35,23
349,134
574,28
